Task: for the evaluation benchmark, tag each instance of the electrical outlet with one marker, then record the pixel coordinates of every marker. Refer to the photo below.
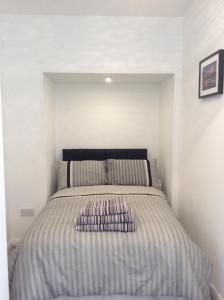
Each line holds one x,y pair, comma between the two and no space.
27,212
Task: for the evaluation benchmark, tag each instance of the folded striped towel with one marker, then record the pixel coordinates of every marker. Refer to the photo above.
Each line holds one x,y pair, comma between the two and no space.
105,207
123,227
106,215
105,219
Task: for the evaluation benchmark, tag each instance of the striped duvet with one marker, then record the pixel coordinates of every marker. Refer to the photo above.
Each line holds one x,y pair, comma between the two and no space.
158,259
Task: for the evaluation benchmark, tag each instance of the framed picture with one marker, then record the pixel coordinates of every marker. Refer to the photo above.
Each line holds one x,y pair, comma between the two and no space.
211,75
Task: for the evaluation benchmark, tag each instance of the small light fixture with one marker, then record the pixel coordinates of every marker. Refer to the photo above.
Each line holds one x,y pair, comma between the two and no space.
108,79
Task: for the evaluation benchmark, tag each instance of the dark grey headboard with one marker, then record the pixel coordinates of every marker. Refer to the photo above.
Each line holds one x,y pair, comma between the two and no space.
103,154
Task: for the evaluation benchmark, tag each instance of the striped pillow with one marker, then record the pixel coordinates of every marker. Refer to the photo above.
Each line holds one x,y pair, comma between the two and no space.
81,173
129,172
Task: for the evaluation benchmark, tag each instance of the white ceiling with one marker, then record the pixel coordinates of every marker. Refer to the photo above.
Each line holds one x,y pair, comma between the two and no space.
159,8
99,78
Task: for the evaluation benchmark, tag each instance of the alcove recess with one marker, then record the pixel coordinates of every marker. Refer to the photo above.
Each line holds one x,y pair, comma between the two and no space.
86,111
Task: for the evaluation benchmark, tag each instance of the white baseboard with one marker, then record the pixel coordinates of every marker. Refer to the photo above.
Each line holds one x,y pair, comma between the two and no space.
214,293
12,244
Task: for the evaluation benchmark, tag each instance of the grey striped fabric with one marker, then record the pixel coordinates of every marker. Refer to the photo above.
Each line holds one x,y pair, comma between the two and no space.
122,227
107,215
11,263
81,173
128,172
119,297
115,205
158,259
106,219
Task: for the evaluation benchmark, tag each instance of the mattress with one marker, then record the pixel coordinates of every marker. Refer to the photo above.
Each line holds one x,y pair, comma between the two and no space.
157,260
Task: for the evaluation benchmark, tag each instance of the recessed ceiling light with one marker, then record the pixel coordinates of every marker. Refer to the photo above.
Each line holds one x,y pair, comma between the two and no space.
108,79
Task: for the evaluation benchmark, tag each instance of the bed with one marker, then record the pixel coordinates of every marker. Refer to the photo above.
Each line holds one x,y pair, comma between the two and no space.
157,261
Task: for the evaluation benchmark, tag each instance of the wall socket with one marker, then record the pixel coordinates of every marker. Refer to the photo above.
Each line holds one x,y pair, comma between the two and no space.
27,212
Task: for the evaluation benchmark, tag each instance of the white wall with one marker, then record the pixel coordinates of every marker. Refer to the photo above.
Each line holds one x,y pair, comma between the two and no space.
50,136
107,116
4,291
201,204
166,136
36,44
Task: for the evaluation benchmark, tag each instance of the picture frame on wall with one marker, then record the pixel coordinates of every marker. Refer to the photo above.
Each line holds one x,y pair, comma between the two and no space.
211,75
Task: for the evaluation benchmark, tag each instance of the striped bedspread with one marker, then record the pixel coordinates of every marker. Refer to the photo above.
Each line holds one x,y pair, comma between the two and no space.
158,259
